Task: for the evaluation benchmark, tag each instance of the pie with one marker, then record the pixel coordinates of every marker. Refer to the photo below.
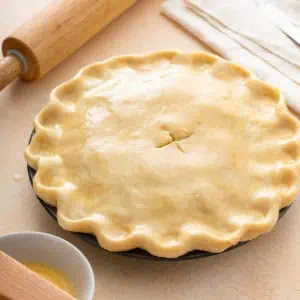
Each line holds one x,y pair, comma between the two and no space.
168,152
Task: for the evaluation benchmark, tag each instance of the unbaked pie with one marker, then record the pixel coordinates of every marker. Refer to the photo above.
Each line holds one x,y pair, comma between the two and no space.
168,152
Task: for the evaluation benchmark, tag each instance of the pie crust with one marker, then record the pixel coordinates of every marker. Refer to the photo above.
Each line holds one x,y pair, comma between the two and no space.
169,152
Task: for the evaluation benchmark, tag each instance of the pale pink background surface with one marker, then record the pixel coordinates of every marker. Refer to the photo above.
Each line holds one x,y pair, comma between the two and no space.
267,268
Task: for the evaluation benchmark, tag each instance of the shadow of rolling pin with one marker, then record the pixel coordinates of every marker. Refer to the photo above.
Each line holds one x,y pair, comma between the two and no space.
54,34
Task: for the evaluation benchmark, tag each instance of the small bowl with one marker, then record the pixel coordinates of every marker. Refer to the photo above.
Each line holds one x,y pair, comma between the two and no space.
43,248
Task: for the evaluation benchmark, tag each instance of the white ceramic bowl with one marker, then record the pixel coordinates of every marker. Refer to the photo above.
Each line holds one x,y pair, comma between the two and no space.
38,247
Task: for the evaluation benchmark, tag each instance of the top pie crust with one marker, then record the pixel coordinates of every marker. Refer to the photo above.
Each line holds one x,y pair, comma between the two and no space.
168,152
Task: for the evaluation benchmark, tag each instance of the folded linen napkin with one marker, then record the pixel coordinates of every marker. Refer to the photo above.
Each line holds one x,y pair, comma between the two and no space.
290,7
256,43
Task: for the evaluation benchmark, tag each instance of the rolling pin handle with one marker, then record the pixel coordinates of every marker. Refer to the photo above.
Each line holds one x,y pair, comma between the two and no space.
10,68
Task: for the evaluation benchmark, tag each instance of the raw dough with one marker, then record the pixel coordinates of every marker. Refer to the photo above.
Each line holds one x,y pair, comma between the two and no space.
168,152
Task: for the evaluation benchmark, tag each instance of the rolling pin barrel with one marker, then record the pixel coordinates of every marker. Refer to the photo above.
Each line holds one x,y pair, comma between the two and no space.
54,34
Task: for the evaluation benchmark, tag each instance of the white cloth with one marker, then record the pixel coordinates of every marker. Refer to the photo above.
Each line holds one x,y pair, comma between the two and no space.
239,31
290,7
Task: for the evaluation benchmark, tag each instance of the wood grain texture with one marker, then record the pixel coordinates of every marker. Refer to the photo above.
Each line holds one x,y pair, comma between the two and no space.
17,282
59,30
10,69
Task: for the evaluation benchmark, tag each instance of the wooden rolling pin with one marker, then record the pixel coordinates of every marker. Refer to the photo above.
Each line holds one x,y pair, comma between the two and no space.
53,34
17,282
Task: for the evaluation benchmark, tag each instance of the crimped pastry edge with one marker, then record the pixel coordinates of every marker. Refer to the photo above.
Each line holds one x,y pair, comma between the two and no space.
187,241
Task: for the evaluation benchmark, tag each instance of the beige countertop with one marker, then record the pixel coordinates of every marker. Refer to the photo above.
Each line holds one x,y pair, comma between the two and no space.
267,268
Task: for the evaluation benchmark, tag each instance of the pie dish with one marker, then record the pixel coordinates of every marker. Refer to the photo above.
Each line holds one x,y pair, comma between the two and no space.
169,152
